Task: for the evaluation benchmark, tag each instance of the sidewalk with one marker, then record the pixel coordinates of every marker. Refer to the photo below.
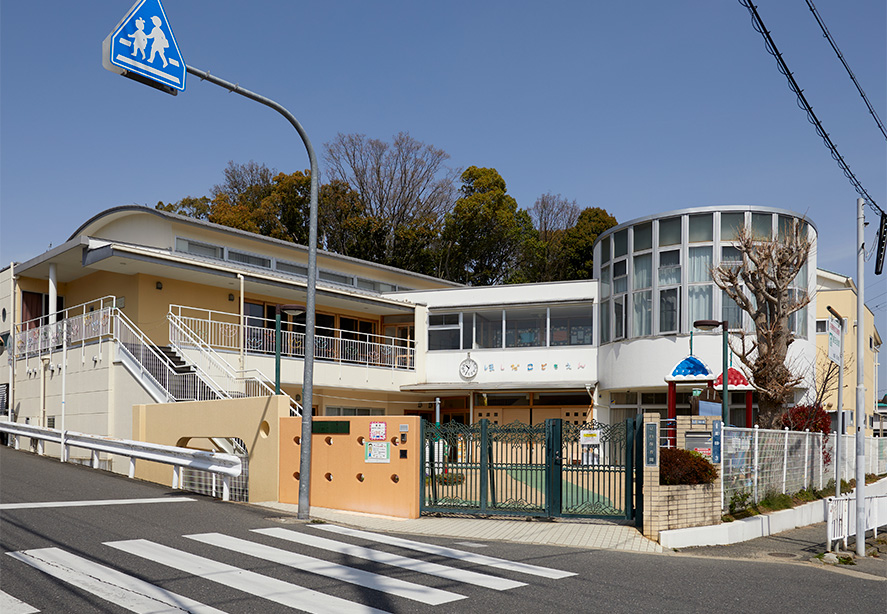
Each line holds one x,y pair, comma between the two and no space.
578,533
800,545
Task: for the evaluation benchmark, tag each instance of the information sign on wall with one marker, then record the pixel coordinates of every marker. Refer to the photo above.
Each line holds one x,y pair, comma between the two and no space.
378,431
377,452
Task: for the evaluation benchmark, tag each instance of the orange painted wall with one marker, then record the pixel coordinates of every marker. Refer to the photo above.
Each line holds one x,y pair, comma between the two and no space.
337,460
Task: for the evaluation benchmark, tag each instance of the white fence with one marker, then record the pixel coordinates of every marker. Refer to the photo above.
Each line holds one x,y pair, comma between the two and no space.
224,465
759,462
222,331
841,517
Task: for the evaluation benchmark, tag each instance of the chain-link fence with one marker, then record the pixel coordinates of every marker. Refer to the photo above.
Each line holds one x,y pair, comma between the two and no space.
760,462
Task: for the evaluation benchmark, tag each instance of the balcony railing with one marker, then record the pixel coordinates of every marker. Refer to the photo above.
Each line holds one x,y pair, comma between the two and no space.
223,331
85,323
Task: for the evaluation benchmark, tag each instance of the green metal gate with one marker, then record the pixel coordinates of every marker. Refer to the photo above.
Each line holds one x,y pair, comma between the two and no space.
551,469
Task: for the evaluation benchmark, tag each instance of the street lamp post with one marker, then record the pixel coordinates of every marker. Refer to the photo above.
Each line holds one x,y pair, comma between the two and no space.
725,326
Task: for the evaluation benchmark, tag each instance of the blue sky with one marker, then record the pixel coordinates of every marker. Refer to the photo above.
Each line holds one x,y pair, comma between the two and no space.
637,107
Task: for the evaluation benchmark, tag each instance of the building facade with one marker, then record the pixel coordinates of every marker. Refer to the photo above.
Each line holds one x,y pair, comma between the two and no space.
143,306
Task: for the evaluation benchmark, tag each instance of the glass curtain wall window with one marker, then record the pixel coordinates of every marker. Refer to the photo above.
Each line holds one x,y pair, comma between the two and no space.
444,331
570,325
526,328
700,292
620,288
669,298
642,303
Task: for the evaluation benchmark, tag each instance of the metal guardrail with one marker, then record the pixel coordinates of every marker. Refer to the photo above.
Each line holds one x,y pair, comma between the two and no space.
841,517
226,465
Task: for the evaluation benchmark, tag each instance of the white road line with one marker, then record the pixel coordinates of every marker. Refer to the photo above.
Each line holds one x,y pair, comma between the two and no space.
278,591
109,584
45,504
11,605
377,556
462,555
393,586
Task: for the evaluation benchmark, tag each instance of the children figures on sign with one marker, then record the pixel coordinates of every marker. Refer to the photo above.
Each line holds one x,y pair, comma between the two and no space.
378,431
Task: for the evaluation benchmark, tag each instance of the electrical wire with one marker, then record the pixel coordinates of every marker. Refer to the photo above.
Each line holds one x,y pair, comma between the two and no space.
760,28
834,45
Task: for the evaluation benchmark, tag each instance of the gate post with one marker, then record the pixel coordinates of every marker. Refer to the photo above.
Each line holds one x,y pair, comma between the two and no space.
629,468
553,466
639,473
484,464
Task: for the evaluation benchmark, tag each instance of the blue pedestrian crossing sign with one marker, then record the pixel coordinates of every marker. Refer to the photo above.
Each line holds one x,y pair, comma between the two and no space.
143,47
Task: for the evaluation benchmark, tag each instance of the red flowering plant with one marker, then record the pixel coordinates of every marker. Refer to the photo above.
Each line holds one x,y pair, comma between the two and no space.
812,417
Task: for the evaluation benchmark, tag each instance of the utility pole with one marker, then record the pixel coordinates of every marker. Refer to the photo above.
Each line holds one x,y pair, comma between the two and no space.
860,377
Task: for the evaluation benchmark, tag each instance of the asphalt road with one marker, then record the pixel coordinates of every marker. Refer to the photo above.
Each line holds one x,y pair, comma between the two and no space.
168,546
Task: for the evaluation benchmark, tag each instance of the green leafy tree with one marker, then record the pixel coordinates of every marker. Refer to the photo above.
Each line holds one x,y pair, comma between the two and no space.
578,241
198,208
483,236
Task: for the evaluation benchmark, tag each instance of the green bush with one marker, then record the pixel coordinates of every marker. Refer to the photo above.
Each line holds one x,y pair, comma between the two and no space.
678,466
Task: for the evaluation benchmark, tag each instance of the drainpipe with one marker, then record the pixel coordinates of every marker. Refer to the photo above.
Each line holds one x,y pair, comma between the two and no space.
53,291
12,343
242,362
44,362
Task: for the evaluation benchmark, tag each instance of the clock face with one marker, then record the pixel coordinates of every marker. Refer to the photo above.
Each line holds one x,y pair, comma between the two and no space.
468,368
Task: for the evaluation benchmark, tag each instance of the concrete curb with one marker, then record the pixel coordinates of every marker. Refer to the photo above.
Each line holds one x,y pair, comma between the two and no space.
756,526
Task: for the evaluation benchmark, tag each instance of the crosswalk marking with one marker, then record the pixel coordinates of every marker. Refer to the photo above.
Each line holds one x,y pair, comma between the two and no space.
393,586
377,556
250,582
11,605
111,585
462,555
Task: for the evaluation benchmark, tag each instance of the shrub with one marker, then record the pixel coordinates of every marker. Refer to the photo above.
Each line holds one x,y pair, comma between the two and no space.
685,467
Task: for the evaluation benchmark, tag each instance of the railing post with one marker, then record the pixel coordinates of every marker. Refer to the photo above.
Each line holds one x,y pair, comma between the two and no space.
95,459
807,459
784,459
755,466
132,467
226,488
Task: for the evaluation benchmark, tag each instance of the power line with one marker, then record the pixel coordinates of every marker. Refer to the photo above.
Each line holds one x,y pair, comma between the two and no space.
758,25
826,33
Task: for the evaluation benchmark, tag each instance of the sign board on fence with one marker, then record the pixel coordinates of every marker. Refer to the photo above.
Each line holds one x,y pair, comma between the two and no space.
717,431
377,452
834,340
651,444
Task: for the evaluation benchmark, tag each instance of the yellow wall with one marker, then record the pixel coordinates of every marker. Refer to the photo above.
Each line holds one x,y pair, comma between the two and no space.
254,420
844,302
337,462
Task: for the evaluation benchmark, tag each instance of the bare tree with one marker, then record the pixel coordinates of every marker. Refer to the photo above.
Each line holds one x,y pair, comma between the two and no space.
764,286
828,375
244,183
398,182
552,215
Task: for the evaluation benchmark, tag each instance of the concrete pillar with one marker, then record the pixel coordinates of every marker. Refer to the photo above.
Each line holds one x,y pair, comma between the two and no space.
53,291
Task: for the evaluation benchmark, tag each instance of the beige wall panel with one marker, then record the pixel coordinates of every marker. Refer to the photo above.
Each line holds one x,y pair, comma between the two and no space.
104,283
254,420
140,228
338,460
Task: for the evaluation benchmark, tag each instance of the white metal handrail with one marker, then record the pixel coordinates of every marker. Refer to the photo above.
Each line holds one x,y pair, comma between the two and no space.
841,517
226,465
89,321
196,386
222,331
248,383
